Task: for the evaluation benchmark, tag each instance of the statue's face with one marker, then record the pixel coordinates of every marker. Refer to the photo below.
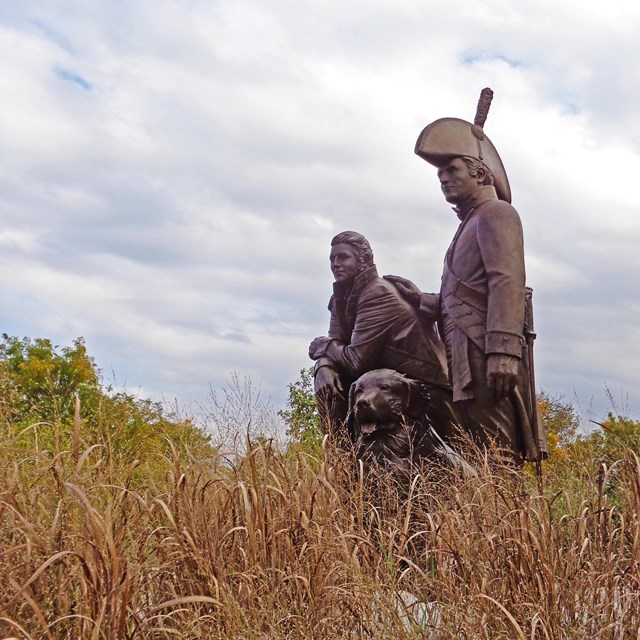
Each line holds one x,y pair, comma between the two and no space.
455,181
344,262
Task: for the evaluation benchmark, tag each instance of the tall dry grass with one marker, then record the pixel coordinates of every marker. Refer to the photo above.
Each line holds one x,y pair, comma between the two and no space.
261,546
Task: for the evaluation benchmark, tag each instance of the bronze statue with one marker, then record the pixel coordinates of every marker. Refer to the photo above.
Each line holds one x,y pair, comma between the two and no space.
393,421
481,305
373,327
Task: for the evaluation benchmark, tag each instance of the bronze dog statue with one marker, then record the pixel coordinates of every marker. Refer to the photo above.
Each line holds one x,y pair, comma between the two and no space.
392,419
387,416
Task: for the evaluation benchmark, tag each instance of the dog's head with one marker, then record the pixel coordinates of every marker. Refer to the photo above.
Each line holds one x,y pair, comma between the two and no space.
382,398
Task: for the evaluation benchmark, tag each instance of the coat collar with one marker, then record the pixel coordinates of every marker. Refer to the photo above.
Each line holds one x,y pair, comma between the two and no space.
479,196
359,283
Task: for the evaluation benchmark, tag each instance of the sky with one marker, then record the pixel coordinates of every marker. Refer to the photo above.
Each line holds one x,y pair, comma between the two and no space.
172,173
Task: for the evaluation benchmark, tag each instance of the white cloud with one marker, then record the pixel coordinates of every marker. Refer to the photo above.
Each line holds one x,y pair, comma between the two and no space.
173,172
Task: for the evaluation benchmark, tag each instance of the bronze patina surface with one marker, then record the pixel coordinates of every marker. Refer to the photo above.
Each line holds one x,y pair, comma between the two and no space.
373,327
470,345
482,301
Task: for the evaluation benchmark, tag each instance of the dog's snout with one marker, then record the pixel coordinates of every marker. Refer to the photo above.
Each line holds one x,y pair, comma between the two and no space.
366,398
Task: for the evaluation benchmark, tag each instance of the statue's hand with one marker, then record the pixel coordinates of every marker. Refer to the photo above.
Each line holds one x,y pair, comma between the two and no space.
317,347
502,374
327,380
406,289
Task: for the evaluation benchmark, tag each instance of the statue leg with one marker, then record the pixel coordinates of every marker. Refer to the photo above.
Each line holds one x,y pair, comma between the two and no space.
490,424
442,414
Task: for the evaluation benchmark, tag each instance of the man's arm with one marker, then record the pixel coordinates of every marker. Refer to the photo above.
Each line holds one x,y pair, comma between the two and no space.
499,235
427,304
326,379
379,308
326,376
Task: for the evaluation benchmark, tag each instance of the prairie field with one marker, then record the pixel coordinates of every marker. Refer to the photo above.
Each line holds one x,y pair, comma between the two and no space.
119,523
269,545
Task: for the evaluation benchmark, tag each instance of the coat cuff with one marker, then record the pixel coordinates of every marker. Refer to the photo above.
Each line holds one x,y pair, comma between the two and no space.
332,350
323,362
504,342
430,305
320,351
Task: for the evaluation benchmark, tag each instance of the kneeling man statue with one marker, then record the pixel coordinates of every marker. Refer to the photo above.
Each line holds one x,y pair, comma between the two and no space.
373,327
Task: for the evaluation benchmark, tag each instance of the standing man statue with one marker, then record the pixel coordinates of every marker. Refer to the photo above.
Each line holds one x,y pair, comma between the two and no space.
373,327
481,305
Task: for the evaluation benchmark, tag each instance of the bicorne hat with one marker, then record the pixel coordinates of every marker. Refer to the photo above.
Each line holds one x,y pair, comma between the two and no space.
449,138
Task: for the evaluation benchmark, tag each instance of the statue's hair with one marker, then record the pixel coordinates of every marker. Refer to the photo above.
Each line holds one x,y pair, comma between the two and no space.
473,164
364,254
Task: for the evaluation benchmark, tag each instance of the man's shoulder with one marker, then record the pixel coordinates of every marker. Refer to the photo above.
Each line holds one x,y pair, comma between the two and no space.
379,285
497,211
381,291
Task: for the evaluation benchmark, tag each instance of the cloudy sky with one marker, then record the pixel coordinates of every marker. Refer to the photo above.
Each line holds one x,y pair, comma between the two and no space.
172,172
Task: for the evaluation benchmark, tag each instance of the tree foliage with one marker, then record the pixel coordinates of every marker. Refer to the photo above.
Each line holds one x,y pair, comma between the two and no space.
580,458
561,423
39,382
617,435
301,415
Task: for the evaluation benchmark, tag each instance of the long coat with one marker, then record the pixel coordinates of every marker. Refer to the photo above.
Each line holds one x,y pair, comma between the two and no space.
482,302
373,327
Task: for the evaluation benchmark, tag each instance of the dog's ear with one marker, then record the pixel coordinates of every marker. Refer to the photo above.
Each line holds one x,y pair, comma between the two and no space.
352,396
418,399
403,385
